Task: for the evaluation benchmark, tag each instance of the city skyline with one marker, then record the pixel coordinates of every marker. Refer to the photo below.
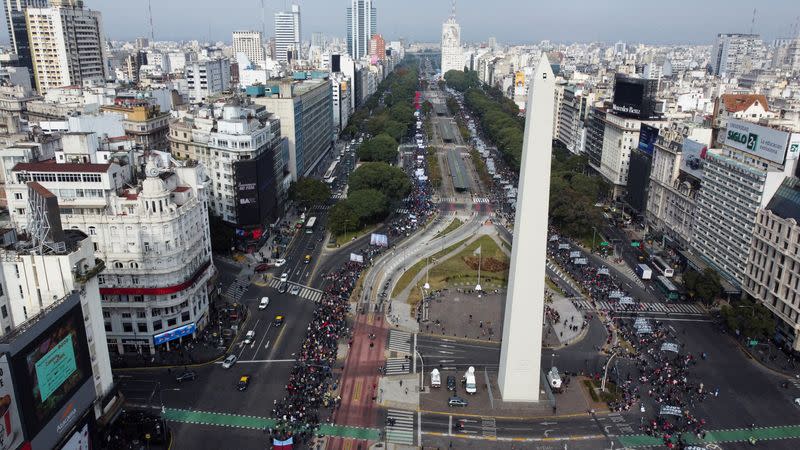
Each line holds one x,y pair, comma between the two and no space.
414,20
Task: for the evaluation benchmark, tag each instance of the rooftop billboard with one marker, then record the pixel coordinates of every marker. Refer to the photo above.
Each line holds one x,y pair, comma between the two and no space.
763,142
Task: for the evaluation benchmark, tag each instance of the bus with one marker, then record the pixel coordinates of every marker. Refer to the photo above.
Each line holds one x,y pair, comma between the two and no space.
667,287
661,267
310,225
329,174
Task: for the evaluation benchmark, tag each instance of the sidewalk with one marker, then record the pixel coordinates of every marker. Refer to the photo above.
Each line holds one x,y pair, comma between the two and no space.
401,391
569,326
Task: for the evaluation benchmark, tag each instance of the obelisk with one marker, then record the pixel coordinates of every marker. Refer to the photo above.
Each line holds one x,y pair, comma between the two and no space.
521,350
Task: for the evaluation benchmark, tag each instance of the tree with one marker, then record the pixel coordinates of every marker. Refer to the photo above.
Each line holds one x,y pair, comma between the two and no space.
343,218
704,286
370,205
751,319
380,148
460,80
389,180
308,192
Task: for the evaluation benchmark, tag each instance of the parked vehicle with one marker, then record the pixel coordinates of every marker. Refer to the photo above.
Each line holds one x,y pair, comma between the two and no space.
457,401
469,381
451,383
554,380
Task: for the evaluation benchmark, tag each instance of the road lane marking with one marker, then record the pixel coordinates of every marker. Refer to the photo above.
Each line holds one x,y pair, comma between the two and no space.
261,361
357,390
262,339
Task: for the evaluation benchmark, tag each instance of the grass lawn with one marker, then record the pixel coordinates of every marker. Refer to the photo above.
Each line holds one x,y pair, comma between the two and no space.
452,226
409,274
456,270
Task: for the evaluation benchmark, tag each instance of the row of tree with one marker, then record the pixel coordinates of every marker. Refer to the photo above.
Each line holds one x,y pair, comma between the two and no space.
374,187
573,194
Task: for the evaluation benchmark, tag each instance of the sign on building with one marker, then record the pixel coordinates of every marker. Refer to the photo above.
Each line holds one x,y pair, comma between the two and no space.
763,142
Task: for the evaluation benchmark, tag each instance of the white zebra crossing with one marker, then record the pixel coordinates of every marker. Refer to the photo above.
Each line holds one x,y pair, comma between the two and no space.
306,292
402,211
402,430
397,366
400,341
481,200
237,289
680,308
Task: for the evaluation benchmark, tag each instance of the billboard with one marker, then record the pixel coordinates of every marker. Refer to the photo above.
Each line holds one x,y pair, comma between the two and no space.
256,198
49,371
647,138
763,142
175,333
10,425
693,158
634,97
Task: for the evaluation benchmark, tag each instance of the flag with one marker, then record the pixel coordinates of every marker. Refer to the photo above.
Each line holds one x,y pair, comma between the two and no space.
477,251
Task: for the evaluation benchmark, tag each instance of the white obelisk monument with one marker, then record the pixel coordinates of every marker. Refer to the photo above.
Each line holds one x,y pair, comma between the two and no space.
521,351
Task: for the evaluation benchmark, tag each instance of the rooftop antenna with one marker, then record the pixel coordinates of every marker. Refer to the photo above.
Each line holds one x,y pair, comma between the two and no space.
263,20
453,10
753,22
150,12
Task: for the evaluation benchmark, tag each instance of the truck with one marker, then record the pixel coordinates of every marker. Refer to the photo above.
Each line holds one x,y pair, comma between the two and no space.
469,381
644,271
554,379
436,378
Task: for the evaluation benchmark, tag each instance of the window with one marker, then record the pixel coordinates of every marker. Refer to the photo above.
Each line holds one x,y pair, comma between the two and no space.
17,196
118,265
106,315
108,326
134,265
134,280
1,290
142,327
157,325
141,314
172,322
185,316
92,231
126,315
101,279
127,327
4,311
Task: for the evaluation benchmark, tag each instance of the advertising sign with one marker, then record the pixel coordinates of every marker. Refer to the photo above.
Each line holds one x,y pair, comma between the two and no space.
55,367
381,240
174,333
794,146
634,97
10,425
647,138
693,157
760,141
80,440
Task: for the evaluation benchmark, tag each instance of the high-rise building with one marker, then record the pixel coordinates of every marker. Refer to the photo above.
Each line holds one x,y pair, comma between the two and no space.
318,39
734,54
209,77
251,43
287,34
18,29
377,48
738,180
306,113
452,54
67,44
361,25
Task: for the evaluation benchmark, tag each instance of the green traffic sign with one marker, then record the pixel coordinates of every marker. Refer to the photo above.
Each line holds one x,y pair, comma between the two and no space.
635,244
604,244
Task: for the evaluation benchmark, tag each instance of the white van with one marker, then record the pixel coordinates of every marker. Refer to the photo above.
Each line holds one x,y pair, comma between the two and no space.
469,381
436,379
264,303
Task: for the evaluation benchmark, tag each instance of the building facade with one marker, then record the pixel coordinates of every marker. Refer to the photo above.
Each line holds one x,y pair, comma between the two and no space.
733,53
377,48
452,54
152,234
251,43
67,44
361,25
287,34
18,29
305,110
206,78
144,123
772,274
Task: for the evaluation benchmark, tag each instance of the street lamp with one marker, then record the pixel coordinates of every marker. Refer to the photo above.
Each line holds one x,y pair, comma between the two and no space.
480,257
422,371
427,272
594,233
605,372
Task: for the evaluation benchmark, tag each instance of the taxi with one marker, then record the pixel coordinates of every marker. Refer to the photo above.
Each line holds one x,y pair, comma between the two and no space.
244,381
278,321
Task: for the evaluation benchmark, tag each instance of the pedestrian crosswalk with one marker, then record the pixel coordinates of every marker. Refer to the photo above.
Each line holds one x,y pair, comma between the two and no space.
400,427
402,211
237,289
489,427
481,200
400,341
305,292
323,207
338,196
447,200
398,366
676,308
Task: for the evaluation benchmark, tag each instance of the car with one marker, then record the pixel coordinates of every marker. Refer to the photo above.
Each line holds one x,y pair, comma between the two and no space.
307,259
187,375
278,262
248,338
262,268
284,277
229,361
457,401
283,287
244,381
295,290
797,401
278,321
264,303
451,383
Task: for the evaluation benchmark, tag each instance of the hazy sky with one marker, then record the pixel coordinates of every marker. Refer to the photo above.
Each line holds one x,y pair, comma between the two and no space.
511,21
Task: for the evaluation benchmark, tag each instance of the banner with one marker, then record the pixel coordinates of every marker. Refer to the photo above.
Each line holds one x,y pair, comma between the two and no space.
381,240
671,410
355,257
603,271
669,347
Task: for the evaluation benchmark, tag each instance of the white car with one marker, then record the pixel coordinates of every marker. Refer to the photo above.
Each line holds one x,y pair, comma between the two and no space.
284,277
278,262
229,362
797,401
248,338
264,303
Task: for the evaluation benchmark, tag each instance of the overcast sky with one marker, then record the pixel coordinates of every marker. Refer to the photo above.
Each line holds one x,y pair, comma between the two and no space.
511,21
